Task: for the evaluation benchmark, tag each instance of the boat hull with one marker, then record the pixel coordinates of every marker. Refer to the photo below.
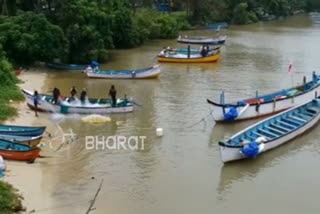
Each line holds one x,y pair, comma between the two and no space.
70,67
212,58
79,109
264,109
149,73
231,153
228,154
28,141
29,156
203,41
21,130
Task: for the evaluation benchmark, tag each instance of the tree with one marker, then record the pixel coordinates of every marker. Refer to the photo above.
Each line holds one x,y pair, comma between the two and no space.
87,26
8,7
29,37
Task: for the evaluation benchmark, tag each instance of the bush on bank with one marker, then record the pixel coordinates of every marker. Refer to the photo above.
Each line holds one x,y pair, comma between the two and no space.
9,199
8,88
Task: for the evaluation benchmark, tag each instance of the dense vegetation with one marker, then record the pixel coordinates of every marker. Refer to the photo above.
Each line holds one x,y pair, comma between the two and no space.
9,90
81,30
9,200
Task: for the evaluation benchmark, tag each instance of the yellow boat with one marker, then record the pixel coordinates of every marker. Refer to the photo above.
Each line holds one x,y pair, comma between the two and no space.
183,58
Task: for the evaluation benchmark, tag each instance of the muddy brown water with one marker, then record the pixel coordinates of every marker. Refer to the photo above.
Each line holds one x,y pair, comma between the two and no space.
181,172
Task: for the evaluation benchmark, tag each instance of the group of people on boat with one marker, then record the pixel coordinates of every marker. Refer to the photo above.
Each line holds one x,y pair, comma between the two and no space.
83,95
57,97
204,50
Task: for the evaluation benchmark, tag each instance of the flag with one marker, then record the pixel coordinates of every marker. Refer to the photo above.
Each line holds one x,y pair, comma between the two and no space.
290,70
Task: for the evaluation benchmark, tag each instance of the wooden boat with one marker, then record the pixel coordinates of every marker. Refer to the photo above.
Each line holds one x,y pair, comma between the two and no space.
266,104
25,140
145,73
31,131
212,56
220,40
271,132
92,106
18,152
62,66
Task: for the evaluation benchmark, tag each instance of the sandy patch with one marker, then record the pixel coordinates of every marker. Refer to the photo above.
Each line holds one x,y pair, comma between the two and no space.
29,178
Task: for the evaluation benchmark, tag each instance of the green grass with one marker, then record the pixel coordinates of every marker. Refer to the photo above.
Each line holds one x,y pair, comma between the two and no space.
9,199
12,92
8,93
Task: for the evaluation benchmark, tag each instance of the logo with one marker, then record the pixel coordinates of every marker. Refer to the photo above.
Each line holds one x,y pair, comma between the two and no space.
115,142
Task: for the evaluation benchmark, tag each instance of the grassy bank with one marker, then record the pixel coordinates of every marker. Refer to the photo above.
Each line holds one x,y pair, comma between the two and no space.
9,199
9,91
8,94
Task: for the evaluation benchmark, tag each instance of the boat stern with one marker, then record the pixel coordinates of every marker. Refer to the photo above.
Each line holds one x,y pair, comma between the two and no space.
228,153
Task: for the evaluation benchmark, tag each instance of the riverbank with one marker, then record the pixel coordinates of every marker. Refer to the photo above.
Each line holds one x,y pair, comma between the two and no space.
27,178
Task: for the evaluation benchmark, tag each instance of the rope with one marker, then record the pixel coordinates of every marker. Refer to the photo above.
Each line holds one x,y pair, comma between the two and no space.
202,120
137,104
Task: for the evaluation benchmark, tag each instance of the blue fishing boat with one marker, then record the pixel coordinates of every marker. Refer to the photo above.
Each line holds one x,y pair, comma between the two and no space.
70,67
271,132
26,140
22,130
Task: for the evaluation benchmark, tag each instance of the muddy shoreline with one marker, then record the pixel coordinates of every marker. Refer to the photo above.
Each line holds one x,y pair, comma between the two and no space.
27,178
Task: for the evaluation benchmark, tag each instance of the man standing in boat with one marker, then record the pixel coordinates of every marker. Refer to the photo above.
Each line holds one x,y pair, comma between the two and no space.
56,94
36,102
204,51
113,94
73,93
83,96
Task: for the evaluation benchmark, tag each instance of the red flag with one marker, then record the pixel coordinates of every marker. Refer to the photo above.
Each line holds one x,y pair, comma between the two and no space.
290,69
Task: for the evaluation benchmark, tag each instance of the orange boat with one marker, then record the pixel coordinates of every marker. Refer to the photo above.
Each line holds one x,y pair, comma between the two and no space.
18,152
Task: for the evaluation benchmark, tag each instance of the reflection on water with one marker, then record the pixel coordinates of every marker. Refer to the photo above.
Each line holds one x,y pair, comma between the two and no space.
182,172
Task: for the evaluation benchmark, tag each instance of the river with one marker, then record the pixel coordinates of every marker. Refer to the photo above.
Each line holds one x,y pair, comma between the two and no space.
181,172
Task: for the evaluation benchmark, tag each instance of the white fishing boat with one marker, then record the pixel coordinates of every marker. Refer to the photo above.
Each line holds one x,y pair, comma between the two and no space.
145,73
266,104
220,40
91,106
271,132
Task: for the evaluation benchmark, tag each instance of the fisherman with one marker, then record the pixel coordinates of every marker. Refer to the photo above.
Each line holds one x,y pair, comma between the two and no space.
113,94
56,95
73,93
36,102
204,51
83,95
